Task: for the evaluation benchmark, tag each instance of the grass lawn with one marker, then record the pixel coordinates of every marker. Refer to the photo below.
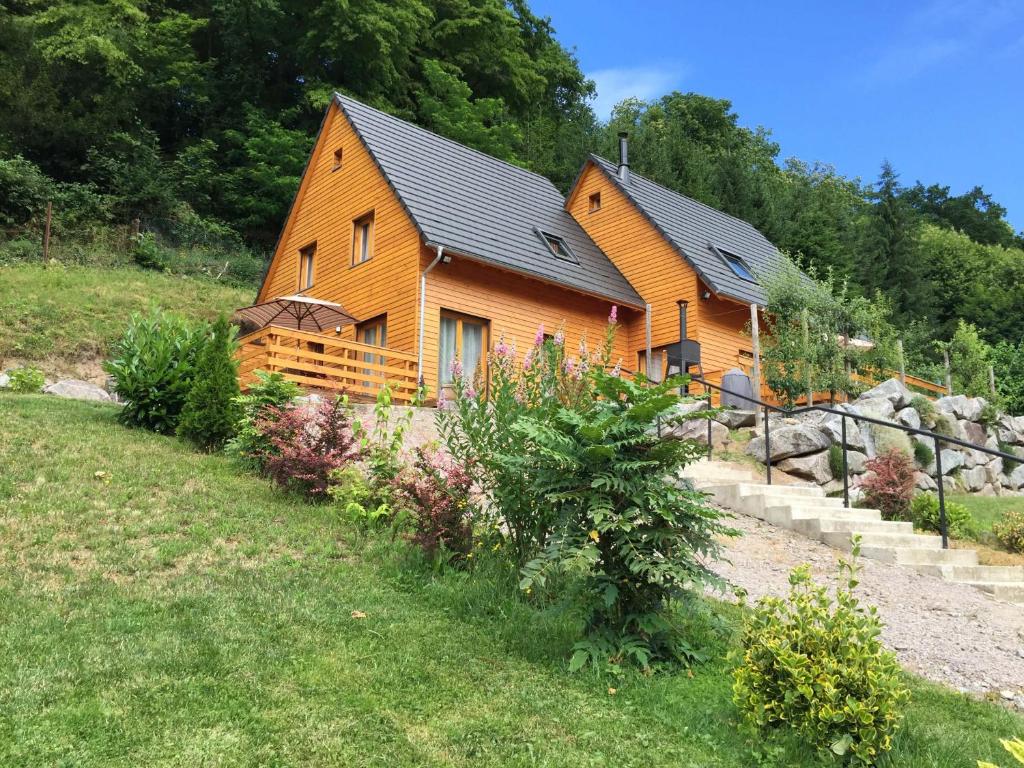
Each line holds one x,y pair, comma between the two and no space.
161,609
987,509
73,313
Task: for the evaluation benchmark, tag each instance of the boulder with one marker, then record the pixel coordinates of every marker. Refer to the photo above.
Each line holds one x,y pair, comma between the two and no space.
789,440
1015,480
891,390
993,472
908,417
925,482
736,419
697,429
972,432
974,479
951,461
961,406
876,407
829,424
77,390
813,467
5,380
989,490
856,462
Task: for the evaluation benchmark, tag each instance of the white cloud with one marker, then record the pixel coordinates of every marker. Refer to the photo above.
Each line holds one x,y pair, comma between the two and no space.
614,85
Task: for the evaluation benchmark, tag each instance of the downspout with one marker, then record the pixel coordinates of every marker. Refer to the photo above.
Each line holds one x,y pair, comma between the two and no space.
423,310
647,340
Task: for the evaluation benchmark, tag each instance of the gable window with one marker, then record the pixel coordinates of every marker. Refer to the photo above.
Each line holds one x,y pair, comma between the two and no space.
595,202
307,259
558,247
337,159
463,338
737,265
362,239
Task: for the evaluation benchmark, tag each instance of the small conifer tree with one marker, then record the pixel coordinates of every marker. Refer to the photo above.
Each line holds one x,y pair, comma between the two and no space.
210,415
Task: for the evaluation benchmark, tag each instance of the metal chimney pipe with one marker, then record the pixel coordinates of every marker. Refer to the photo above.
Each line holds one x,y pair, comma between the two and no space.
623,157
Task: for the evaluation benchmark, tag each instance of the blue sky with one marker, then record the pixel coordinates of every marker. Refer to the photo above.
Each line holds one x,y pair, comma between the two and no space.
936,87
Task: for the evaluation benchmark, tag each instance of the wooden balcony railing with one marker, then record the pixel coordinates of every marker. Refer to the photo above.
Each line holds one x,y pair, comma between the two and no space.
323,361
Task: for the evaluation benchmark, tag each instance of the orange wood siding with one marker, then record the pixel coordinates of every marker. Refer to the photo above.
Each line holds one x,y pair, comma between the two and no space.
515,307
659,274
327,203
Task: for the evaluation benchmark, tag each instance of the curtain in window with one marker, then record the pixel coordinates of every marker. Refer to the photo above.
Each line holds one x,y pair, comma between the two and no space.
472,348
446,349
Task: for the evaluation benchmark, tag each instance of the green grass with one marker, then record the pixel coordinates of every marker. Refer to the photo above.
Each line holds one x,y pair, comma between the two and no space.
73,313
161,609
987,509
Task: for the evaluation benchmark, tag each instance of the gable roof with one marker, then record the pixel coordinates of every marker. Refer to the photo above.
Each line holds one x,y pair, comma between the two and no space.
701,234
483,208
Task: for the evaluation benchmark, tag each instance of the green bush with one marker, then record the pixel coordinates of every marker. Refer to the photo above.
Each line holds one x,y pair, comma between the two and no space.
819,668
383,447
270,390
924,512
1009,464
989,416
835,460
628,542
925,408
1015,748
889,439
350,491
24,190
25,381
923,454
148,253
943,425
152,370
210,415
1009,530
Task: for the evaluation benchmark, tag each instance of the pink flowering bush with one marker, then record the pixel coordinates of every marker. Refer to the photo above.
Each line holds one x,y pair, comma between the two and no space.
304,445
438,494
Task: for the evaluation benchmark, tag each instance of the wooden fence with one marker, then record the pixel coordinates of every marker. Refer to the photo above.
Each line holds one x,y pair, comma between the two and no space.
324,361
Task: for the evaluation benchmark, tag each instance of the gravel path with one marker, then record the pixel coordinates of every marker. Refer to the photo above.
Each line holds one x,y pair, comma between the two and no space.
949,633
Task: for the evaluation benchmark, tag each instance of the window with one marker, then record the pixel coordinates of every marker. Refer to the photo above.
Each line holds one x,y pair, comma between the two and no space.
595,202
462,338
737,265
337,159
558,247
306,266
375,333
362,239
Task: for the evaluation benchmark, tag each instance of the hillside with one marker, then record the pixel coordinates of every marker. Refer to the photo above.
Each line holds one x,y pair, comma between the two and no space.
63,318
163,609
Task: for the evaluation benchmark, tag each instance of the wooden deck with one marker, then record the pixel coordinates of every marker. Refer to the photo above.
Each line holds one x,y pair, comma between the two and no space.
323,361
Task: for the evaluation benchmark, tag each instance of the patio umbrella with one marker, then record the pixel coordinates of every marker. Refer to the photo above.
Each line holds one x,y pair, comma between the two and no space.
300,313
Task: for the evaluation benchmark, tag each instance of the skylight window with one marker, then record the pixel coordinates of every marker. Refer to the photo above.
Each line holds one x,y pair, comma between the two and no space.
737,265
558,247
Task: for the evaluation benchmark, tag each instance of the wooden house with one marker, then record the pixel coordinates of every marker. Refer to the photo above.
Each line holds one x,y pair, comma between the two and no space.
436,250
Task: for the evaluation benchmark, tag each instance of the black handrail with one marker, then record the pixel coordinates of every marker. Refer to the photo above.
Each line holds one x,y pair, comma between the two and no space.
937,439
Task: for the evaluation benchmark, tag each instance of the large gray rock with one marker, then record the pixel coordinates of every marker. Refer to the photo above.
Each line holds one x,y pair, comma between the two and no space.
974,479
830,425
925,482
814,467
972,432
856,462
961,406
790,440
891,390
736,419
697,429
908,417
877,407
951,461
1014,480
77,390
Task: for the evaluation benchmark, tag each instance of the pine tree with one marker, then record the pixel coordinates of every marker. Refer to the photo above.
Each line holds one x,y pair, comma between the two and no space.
210,415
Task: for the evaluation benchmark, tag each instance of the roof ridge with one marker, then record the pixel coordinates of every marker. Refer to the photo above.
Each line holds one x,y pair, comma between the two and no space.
677,193
411,124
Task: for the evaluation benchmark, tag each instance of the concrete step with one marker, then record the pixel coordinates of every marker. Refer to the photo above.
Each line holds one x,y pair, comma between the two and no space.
918,558
842,540
822,525
1011,592
794,517
976,573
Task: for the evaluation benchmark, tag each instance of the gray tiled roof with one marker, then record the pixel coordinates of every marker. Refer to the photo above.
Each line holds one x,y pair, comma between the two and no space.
482,207
693,228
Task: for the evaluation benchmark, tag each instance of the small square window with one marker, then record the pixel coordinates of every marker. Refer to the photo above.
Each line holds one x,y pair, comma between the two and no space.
595,202
558,247
337,159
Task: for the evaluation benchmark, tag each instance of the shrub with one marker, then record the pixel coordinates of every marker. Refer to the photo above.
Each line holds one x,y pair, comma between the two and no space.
383,447
437,492
210,415
148,253
1009,464
307,444
25,381
888,439
152,370
1009,530
924,512
24,190
889,484
835,460
249,444
630,541
989,415
819,668
923,454
943,425
350,491
925,408
1015,748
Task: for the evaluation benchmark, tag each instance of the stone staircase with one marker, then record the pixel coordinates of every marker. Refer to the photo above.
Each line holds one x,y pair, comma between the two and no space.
806,509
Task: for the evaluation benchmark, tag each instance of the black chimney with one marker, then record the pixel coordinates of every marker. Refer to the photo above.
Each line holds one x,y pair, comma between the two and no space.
623,157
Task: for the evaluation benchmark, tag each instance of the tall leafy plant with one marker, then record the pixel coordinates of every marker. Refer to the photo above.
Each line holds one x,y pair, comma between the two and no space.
629,540
211,412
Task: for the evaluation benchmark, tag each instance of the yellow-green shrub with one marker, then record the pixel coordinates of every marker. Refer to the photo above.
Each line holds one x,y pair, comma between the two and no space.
1009,529
1015,748
818,667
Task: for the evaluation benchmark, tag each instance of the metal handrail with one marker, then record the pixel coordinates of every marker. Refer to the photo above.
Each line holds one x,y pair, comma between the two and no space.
937,439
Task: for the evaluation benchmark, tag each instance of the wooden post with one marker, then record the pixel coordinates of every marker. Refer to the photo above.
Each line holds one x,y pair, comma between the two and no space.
992,380
46,233
755,344
949,374
805,327
902,362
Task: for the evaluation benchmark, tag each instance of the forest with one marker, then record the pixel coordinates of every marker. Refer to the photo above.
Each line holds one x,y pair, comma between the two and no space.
196,117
